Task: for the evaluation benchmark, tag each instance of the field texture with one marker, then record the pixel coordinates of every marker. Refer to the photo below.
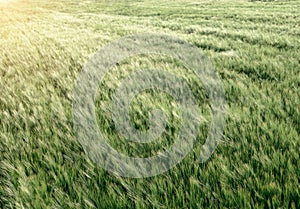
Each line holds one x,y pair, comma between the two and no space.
253,45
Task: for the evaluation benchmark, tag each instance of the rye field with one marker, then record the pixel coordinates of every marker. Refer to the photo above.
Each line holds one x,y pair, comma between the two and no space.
254,46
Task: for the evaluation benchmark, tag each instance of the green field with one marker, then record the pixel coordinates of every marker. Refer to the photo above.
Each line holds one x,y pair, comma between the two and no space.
253,45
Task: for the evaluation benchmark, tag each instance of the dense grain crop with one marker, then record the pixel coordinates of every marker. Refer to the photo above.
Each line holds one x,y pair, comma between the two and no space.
253,45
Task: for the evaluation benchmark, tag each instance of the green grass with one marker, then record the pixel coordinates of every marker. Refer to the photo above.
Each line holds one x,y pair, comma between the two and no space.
254,46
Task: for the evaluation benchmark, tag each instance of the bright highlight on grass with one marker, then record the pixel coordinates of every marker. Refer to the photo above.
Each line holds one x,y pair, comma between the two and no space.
4,1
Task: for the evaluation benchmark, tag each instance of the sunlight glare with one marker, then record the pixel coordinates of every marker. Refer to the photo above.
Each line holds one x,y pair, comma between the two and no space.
4,1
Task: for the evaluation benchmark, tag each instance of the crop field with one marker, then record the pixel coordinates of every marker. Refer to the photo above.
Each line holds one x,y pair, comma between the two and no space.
254,46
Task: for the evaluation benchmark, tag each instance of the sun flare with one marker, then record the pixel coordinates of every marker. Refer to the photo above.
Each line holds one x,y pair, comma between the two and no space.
4,1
